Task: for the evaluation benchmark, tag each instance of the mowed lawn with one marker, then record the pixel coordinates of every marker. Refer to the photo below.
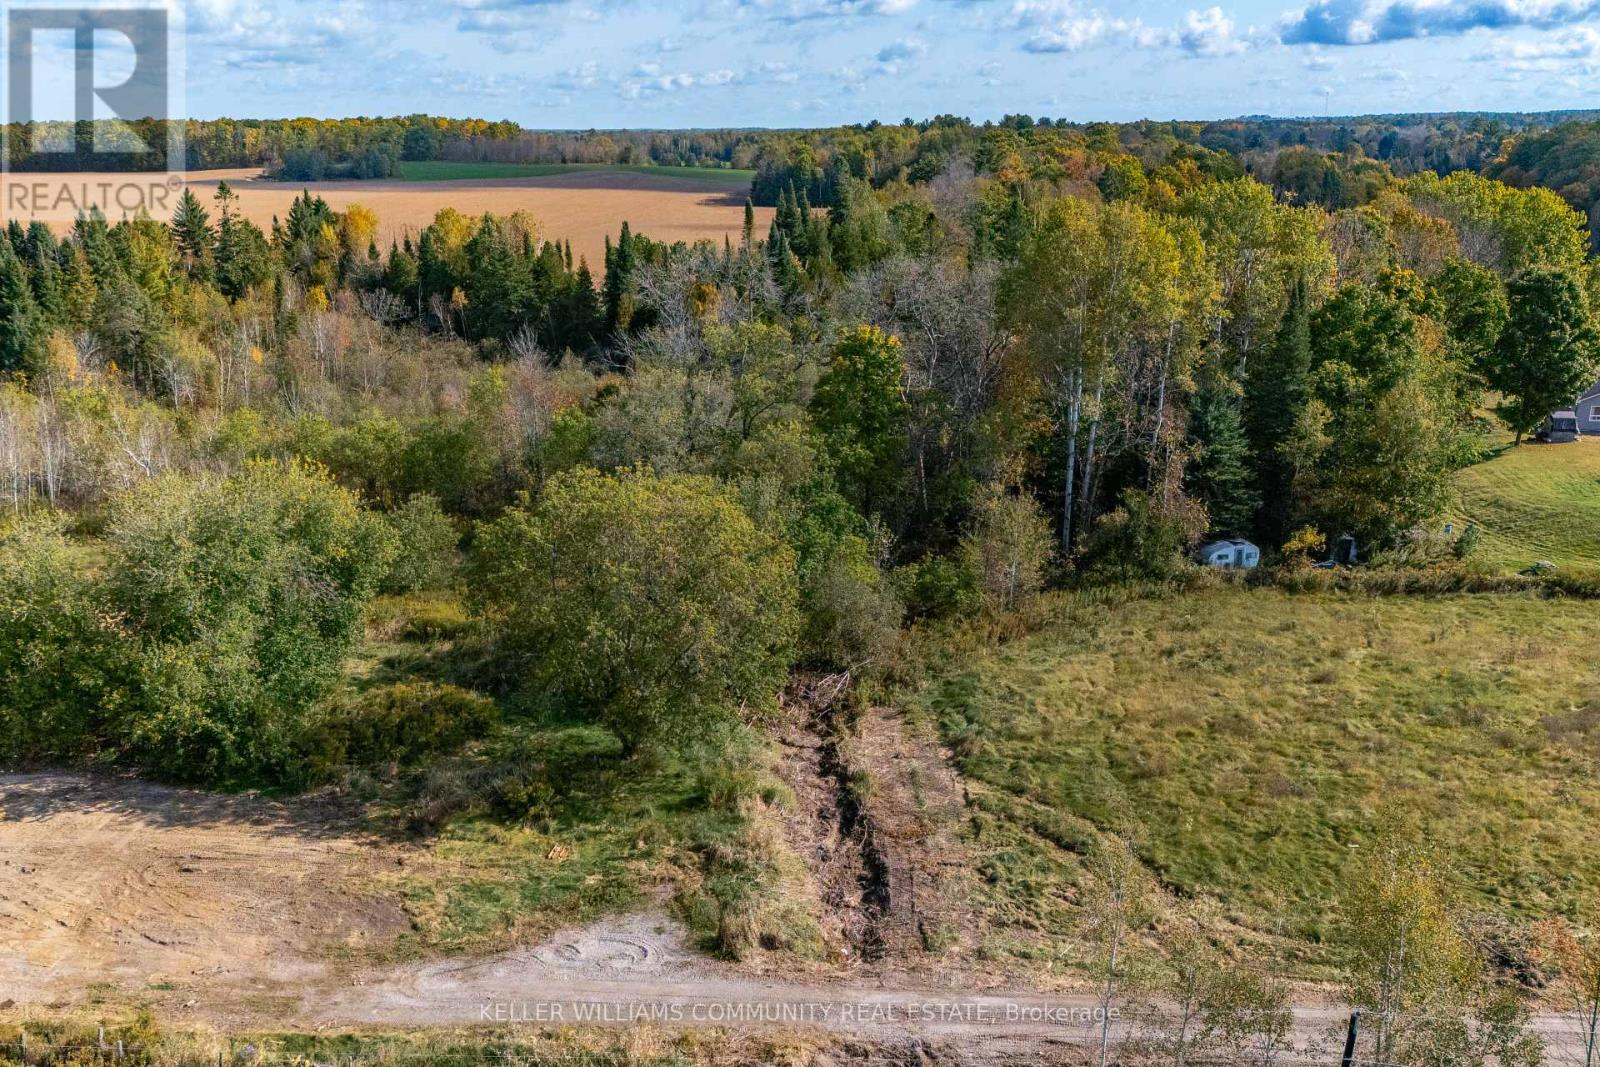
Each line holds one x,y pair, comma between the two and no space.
442,170
1535,502
1249,741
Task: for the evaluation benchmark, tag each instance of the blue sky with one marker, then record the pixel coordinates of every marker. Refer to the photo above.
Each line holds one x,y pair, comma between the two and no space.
676,63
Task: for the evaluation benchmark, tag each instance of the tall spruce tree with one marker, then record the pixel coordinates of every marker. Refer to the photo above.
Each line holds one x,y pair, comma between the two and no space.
1277,387
1219,473
22,328
192,233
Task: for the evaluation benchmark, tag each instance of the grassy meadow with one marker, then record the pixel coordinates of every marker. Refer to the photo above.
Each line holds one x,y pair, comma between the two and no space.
1248,741
1535,502
443,170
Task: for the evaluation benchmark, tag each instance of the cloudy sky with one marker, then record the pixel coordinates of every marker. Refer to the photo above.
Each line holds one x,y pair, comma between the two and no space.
677,63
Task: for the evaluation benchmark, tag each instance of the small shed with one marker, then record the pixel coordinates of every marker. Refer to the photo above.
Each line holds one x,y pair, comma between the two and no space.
1231,552
1560,428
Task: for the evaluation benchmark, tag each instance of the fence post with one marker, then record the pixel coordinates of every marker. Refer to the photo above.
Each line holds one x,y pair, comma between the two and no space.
1350,1040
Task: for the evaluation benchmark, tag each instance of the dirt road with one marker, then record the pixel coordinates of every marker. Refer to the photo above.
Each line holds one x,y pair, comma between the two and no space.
235,911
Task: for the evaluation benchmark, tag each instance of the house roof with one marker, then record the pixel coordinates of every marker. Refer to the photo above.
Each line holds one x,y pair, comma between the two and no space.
1226,542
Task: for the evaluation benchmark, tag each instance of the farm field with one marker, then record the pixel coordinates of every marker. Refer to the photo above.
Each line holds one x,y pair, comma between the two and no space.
583,206
1248,742
1535,502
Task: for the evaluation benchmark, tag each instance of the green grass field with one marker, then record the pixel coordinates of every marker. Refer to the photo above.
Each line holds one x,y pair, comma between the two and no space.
441,171
1535,502
1248,741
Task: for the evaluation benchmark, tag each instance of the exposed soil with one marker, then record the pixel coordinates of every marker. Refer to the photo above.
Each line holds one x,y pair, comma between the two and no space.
826,829
581,207
235,911
911,803
113,880
879,822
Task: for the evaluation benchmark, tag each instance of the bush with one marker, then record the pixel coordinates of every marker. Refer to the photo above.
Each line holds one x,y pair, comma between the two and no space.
426,541
226,612
852,614
654,602
1140,541
1008,549
56,651
936,588
403,723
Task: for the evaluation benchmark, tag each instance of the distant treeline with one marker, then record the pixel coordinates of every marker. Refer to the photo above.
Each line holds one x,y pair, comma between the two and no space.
1335,162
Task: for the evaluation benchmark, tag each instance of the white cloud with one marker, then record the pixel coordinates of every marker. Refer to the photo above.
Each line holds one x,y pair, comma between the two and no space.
1209,33
1361,22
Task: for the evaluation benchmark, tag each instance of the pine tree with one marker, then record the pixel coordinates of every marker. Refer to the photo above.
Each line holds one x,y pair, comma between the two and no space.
1277,388
79,293
1219,472
749,236
192,233
22,330
619,283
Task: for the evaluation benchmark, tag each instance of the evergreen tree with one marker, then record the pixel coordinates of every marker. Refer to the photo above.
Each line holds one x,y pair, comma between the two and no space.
243,257
620,265
1219,472
1277,387
191,232
79,293
22,329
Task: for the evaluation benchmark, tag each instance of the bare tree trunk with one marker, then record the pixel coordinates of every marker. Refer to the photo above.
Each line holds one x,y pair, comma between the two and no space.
1108,994
1086,483
1074,412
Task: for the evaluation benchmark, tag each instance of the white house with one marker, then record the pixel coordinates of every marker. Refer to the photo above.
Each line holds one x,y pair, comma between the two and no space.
1233,552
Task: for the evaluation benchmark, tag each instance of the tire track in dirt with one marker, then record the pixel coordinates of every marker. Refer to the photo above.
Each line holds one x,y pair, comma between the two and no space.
116,880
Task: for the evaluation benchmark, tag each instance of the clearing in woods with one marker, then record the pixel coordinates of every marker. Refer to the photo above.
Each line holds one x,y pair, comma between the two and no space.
582,206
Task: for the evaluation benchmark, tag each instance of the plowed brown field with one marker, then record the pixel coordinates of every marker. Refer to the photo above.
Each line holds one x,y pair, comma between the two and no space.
582,208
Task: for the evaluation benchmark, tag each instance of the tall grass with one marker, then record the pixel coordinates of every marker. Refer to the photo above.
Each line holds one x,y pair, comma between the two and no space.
1248,738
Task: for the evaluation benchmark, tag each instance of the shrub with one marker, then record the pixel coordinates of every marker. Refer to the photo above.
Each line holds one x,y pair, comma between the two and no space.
225,614
405,722
655,602
426,541
1142,541
55,650
937,588
852,614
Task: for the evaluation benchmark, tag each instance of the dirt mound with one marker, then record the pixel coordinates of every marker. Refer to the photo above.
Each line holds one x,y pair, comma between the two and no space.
119,881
